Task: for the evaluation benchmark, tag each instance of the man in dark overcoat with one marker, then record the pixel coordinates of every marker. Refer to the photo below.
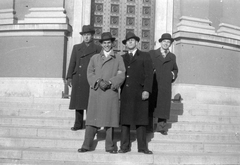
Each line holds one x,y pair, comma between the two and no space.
77,74
165,73
135,92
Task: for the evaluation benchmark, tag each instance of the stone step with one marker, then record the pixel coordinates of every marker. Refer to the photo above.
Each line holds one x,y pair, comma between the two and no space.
134,158
71,114
38,113
68,122
66,133
206,119
34,100
49,104
154,145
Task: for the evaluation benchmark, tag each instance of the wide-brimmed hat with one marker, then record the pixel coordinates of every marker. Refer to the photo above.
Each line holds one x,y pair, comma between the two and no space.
166,36
106,36
130,35
87,29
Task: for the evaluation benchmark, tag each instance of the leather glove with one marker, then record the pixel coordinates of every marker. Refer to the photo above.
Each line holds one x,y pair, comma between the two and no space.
96,85
105,85
69,82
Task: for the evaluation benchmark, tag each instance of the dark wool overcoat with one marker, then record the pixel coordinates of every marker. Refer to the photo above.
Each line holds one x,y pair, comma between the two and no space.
139,77
160,99
77,71
103,107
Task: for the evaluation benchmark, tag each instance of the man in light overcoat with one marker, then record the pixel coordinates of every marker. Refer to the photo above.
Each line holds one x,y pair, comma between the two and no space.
105,73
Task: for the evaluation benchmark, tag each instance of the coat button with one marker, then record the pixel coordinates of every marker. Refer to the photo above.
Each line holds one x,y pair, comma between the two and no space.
79,74
80,66
127,75
128,66
126,85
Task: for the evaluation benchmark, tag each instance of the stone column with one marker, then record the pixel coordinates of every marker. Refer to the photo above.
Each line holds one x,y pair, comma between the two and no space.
163,19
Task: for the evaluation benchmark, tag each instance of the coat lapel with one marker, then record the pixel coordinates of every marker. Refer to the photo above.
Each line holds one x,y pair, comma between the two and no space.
87,49
106,59
159,56
126,58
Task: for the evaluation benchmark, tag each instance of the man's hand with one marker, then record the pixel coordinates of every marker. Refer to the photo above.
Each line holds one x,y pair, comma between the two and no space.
145,95
105,85
69,82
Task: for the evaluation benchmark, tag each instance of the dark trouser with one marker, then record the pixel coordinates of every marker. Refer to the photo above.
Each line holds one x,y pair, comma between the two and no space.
162,123
90,133
79,118
141,137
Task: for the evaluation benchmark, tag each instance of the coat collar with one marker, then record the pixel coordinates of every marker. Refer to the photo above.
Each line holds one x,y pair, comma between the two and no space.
105,59
159,56
111,55
136,55
88,49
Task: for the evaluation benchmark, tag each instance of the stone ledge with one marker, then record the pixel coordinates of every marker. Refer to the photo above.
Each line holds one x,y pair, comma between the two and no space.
230,31
212,40
52,15
197,25
35,29
7,16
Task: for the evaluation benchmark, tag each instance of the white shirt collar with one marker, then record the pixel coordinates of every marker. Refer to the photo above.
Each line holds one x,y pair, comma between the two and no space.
107,53
133,52
163,51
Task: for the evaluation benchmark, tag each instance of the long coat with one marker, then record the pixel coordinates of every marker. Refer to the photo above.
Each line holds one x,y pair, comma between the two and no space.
139,77
77,71
160,99
103,107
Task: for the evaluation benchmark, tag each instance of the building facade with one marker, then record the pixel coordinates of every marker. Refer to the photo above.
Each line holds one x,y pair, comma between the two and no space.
37,39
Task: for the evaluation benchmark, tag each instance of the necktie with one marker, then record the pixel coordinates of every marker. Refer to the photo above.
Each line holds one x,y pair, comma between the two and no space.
164,53
131,56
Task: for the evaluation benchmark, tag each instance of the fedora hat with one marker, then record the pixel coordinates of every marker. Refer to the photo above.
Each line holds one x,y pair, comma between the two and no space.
106,36
130,35
87,29
166,36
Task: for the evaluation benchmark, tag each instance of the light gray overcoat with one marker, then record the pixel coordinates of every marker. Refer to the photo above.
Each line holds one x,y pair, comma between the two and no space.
103,107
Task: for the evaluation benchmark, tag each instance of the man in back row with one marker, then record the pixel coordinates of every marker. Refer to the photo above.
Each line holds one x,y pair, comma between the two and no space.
77,74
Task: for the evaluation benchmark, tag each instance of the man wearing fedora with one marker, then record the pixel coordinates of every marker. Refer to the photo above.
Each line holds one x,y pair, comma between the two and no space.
165,73
76,75
135,92
105,74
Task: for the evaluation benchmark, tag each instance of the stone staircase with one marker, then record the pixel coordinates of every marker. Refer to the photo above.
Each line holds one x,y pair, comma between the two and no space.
36,131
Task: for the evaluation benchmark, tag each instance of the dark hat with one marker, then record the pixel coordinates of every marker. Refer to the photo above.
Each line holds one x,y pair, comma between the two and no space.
106,36
87,29
130,35
166,36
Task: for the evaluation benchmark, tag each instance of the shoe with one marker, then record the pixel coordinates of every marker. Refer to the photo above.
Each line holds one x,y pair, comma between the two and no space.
124,151
112,151
76,128
163,132
145,151
81,150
